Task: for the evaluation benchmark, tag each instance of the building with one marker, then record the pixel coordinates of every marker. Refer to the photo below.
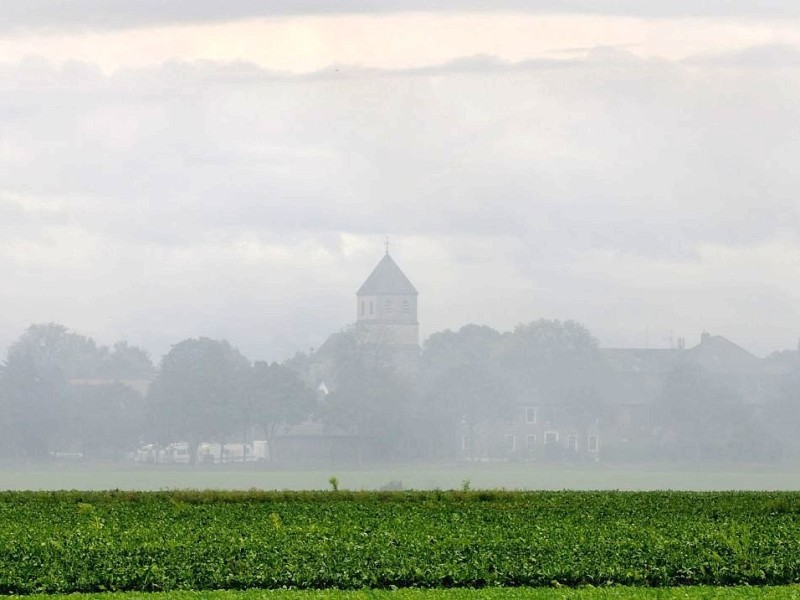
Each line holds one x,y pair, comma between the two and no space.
386,333
632,421
386,306
386,323
641,415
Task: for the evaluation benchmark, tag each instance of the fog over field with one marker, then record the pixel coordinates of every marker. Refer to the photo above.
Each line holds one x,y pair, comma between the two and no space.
591,267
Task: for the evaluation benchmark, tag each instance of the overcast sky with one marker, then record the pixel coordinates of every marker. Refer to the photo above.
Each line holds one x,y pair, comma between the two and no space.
187,168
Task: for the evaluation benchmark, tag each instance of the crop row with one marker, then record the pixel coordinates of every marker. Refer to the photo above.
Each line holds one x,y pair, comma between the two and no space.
70,541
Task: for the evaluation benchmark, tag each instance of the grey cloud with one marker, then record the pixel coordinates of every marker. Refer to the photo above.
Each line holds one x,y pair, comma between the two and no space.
540,152
121,14
163,172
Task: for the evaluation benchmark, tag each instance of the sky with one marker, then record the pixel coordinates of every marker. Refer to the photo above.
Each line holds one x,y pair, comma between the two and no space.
231,170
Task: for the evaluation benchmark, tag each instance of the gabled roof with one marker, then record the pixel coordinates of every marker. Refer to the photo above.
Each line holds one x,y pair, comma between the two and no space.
717,354
386,279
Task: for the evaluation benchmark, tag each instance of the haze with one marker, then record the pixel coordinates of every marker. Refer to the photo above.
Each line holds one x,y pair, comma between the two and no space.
232,172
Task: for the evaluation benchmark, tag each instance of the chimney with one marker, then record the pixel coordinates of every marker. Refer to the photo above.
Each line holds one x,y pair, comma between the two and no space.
704,337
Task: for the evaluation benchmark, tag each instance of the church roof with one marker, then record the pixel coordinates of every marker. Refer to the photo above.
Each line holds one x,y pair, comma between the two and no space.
386,278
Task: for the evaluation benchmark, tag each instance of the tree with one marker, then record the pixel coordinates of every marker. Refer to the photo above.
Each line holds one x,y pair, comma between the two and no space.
784,412
557,363
785,359
372,404
79,357
370,397
75,355
700,417
104,420
470,345
128,362
33,394
198,391
468,396
43,409
276,396
462,386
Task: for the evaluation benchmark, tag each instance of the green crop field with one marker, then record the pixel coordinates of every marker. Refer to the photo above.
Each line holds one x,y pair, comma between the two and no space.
60,542
585,593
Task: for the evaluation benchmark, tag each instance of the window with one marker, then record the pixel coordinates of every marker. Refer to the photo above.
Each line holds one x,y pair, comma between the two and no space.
464,442
370,307
572,443
550,437
530,415
593,443
511,442
405,307
530,442
362,308
388,307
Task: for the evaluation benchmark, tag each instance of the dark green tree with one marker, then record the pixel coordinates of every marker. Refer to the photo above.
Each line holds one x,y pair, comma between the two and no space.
462,387
558,364
465,398
80,358
75,355
700,417
125,361
198,393
33,396
276,396
470,345
370,396
105,421
783,415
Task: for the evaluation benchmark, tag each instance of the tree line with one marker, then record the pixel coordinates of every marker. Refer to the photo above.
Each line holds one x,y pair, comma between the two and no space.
61,392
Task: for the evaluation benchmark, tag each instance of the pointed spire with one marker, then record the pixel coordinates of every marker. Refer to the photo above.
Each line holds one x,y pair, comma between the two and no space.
387,278
386,245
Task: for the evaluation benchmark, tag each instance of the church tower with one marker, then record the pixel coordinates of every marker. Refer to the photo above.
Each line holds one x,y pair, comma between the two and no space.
386,305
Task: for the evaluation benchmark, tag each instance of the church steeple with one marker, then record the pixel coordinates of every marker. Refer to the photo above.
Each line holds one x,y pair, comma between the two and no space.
387,279
387,302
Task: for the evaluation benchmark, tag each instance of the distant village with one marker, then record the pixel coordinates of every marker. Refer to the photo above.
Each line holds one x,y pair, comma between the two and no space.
543,392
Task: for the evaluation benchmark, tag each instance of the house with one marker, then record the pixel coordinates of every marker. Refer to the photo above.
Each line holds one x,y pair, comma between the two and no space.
631,422
537,431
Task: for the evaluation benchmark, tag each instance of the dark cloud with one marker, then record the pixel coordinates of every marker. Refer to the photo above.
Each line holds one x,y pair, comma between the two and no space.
122,14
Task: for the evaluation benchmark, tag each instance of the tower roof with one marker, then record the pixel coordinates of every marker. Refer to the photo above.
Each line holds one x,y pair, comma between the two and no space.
386,278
